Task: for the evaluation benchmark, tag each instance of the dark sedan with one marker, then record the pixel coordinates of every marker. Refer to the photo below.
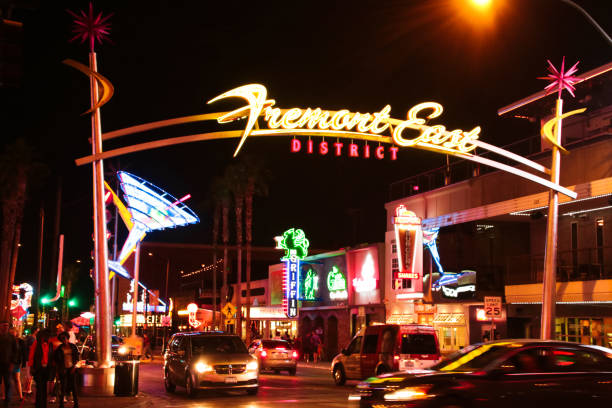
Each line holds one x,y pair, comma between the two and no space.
505,373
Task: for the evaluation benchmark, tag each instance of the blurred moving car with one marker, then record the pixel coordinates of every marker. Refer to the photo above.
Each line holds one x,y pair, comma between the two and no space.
506,373
209,360
275,355
380,349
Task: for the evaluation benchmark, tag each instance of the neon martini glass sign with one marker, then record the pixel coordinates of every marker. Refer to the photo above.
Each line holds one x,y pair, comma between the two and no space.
296,245
151,209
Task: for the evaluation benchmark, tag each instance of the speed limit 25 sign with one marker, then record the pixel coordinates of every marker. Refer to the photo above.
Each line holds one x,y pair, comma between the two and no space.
493,307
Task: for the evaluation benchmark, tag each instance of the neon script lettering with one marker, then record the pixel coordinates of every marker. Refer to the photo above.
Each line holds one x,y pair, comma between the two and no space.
343,122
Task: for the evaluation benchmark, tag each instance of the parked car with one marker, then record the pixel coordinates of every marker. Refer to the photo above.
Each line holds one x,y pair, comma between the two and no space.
209,360
506,373
87,350
380,349
275,355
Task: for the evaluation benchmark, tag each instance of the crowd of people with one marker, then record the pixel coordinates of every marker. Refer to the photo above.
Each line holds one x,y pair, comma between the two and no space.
45,360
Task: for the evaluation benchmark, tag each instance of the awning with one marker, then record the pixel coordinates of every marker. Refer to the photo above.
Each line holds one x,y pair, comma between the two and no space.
449,318
400,319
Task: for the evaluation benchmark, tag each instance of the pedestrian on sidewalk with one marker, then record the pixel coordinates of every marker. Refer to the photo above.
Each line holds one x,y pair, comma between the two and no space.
41,365
66,358
26,375
8,357
20,361
315,341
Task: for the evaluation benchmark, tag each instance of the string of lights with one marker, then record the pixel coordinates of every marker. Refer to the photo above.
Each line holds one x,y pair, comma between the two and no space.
204,268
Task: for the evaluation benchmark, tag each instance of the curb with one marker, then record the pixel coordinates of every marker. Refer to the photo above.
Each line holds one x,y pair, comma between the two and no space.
319,367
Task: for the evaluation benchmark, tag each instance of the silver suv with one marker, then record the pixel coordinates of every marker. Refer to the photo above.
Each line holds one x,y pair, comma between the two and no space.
209,360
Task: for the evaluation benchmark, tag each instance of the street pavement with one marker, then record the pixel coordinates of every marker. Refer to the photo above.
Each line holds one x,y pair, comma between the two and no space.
312,386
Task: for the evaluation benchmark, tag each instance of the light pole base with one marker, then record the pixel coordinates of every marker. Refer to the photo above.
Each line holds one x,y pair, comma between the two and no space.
97,382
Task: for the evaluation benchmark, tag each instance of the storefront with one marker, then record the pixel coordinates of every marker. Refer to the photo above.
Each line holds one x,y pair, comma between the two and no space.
340,292
451,324
270,322
583,312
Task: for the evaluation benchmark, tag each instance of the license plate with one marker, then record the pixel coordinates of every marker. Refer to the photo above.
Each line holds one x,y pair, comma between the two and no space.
231,380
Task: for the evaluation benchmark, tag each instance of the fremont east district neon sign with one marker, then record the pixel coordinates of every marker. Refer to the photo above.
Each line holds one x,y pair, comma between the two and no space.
379,127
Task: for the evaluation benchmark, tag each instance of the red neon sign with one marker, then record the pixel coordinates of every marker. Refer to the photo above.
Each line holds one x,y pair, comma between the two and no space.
352,149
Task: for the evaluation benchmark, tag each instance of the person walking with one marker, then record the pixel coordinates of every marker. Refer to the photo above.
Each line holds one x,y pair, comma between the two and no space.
26,375
66,358
315,341
8,357
20,360
41,364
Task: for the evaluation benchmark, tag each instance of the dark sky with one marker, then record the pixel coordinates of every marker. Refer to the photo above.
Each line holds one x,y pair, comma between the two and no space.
167,58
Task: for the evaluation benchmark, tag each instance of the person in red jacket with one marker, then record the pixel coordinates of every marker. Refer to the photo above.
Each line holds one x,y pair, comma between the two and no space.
41,365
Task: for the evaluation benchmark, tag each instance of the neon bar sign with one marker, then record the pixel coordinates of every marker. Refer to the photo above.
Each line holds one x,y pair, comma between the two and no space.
296,245
311,285
406,225
367,281
336,284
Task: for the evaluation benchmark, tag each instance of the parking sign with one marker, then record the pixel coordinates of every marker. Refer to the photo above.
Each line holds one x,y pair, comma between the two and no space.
493,307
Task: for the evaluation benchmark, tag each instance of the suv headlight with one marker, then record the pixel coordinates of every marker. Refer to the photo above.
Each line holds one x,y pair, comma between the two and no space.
252,366
201,367
409,394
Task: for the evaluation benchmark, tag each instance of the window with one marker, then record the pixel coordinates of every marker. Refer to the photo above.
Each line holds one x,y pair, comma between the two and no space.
570,359
599,242
255,292
218,345
394,265
531,360
419,344
370,343
575,246
393,247
355,346
174,344
388,340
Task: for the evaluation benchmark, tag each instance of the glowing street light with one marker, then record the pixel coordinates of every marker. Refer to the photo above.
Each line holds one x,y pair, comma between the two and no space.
481,3
72,303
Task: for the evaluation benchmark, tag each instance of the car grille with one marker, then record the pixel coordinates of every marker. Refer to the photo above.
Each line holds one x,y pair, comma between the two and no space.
230,368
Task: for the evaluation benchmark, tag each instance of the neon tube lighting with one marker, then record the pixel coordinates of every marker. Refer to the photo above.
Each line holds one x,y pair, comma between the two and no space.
523,212
586,211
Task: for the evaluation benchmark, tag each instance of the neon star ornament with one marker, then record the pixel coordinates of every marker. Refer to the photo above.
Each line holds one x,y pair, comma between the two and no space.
89,27
561,79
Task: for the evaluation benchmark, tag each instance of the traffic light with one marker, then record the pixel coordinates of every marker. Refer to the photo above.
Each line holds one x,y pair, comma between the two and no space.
45,300
72,303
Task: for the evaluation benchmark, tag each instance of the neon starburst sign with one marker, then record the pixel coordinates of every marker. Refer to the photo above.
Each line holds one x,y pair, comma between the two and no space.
89,27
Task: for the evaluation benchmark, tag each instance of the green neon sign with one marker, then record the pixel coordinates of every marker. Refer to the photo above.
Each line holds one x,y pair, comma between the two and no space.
294,242
336,284
311,285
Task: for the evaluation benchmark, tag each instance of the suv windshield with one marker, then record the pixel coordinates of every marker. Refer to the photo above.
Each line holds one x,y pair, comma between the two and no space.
217,345
418,344
275,343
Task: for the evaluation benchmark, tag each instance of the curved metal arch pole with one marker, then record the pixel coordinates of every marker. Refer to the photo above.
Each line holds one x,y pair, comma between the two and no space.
344,135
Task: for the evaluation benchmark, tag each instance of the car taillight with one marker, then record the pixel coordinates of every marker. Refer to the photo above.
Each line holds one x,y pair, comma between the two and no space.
264,353
295,354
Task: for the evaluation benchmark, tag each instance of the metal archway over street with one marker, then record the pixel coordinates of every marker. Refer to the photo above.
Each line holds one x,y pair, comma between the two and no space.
378,127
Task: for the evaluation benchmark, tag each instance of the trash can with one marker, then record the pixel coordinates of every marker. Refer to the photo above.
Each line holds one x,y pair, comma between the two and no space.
126,378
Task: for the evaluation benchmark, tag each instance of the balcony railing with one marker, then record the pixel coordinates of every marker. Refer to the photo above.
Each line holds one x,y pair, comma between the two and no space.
578,265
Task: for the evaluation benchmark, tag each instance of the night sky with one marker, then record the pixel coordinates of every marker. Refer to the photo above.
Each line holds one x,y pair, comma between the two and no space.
167,58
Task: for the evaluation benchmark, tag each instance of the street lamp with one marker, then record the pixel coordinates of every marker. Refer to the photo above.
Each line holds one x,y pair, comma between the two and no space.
482,4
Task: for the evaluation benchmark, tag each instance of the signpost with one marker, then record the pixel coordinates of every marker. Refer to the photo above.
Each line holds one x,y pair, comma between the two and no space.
229,311
493,310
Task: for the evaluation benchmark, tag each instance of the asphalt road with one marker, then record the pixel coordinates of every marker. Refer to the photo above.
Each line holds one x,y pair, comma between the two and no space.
310,387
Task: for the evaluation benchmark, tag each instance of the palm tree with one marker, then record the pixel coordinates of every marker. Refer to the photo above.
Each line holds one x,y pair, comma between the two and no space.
17,168
221,197
235,176
257,178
